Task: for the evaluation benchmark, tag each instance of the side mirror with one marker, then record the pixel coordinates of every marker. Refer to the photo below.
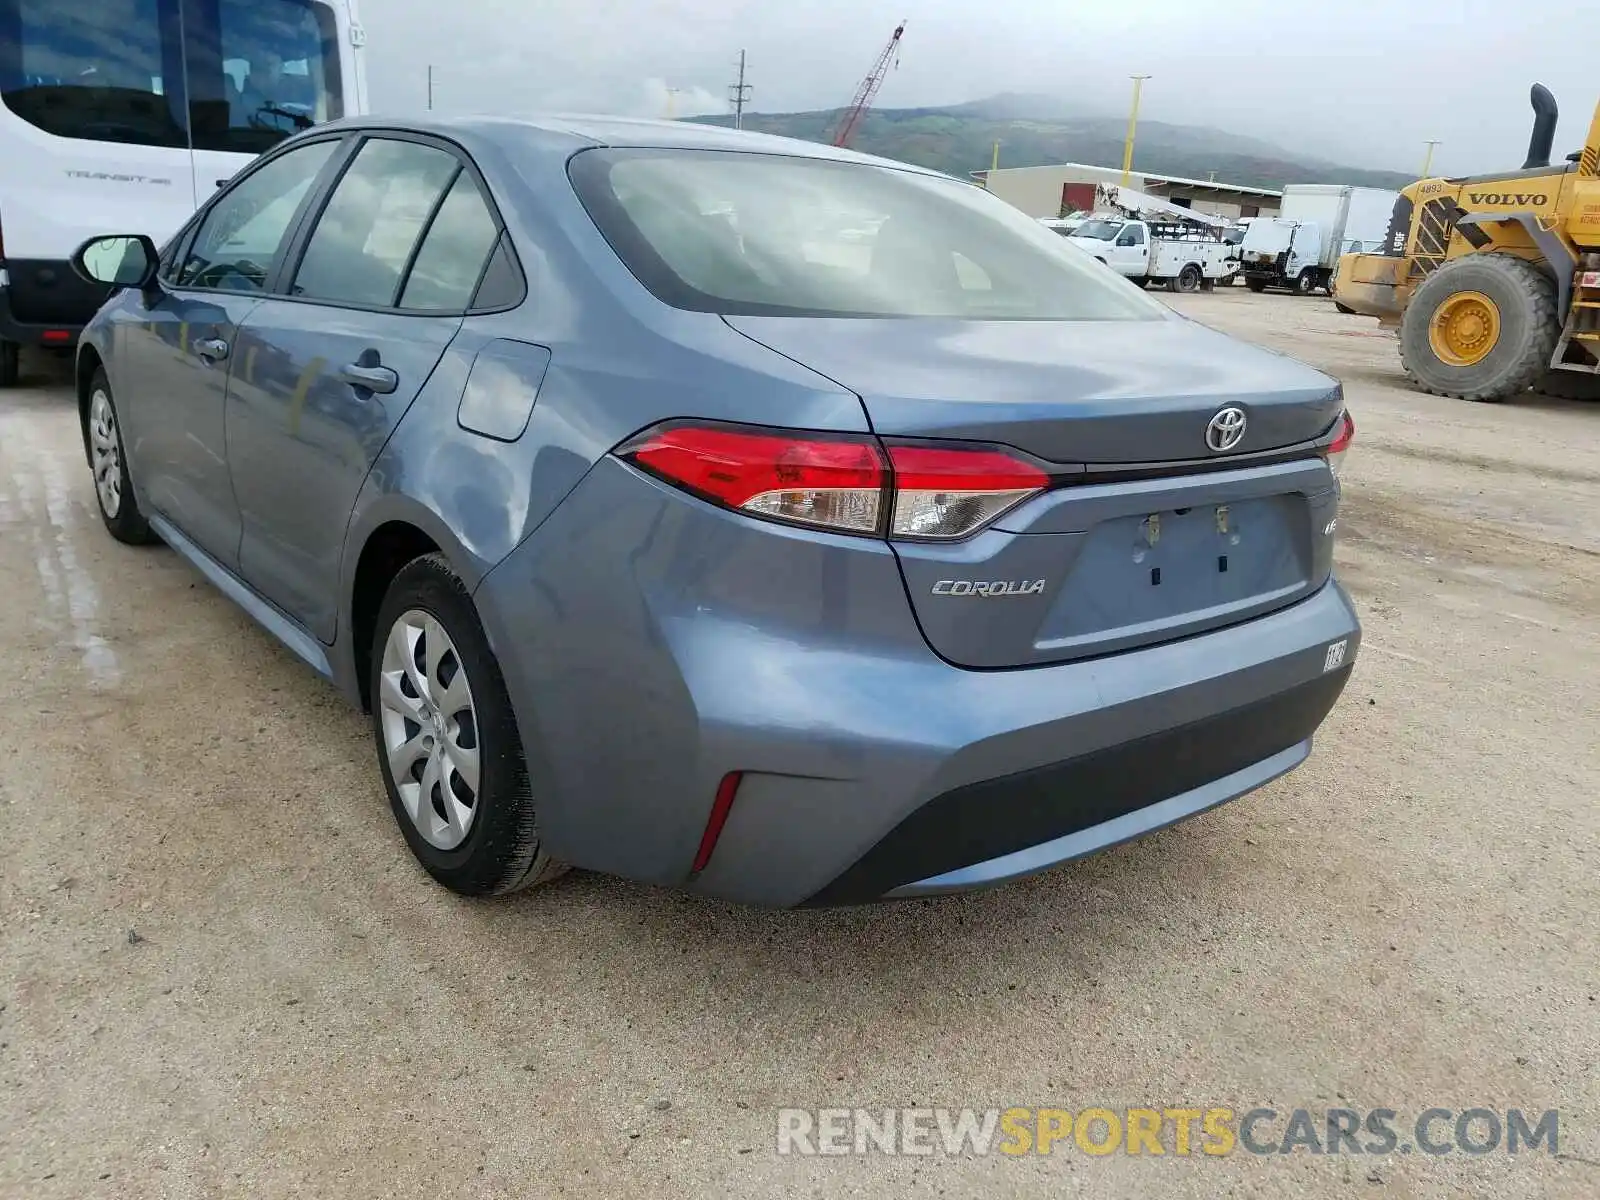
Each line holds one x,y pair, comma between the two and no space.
128,261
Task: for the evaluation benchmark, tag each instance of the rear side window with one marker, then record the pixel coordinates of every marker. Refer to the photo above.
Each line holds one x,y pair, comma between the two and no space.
237,75
780,235
451,258
363,241
235,246
107,70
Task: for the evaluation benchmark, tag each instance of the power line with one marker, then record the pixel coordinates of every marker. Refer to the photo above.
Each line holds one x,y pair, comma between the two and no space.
739,95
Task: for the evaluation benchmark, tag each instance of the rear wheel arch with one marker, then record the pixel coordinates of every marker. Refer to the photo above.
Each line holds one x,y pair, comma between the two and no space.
386,550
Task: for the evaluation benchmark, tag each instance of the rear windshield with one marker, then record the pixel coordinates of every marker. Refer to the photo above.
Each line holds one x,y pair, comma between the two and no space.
763,234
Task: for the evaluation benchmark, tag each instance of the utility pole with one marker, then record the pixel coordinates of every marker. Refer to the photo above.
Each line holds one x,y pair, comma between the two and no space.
1133,122
739,95
1427,163
430,87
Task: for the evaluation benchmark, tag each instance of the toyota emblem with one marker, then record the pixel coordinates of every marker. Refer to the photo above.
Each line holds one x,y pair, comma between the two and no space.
1226,429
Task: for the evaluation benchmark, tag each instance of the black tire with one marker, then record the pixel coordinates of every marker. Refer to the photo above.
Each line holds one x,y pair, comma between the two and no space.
1529,328
1208,285
120,511
1569,385
1187,280
10,364
1306,282
501,852
1256,285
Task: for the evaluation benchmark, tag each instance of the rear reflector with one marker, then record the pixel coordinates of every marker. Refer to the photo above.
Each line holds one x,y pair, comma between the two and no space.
55,337
1341,443
952,492
840,482
720,805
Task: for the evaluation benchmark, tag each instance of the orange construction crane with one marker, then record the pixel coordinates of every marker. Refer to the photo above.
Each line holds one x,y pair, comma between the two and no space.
845,131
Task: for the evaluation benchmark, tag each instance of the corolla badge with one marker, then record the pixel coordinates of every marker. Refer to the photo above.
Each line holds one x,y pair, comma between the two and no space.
998,587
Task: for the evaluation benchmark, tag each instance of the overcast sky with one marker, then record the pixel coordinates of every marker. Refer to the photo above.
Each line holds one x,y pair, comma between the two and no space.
1364,82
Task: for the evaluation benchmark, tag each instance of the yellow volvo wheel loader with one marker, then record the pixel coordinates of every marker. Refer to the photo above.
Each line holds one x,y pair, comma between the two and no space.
1494,280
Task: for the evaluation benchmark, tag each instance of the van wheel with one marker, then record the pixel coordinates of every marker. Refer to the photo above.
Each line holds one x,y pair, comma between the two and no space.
1306,283
10,364
1481,327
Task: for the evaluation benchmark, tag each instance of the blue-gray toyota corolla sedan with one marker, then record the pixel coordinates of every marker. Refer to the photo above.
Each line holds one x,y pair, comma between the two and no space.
725,511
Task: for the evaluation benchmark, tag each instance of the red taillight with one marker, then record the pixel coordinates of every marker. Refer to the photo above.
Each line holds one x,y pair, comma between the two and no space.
951,492
1341,443
55,337
840,482
834,483
720,807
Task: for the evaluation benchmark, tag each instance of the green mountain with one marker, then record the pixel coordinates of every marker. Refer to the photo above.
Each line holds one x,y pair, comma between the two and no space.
1034,131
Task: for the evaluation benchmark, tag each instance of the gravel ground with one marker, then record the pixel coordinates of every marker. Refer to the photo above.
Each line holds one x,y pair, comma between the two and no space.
221,975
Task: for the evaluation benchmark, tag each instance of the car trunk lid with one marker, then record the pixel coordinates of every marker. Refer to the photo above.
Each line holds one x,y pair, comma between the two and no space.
1067,392
1148,533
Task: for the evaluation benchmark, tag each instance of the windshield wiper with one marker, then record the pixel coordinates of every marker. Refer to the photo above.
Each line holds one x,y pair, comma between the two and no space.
301,121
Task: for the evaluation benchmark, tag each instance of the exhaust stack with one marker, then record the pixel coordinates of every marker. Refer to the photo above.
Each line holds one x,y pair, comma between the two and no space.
1544,127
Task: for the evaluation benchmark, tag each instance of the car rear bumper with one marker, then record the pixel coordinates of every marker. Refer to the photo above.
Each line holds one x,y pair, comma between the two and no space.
652,644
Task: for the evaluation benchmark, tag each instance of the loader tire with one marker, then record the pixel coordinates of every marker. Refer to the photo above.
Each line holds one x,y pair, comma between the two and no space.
1569,385
1256,285
1481,327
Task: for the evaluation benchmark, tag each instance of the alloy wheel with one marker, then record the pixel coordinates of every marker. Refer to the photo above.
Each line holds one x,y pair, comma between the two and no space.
430,729
106,452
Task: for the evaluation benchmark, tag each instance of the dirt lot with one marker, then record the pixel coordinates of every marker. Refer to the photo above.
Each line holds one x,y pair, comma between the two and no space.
220,973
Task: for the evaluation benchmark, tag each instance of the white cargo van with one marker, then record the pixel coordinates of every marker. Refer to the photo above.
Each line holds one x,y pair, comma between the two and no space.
127,114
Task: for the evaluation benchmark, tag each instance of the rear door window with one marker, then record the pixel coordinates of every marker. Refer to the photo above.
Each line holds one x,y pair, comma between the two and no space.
451,258
364,240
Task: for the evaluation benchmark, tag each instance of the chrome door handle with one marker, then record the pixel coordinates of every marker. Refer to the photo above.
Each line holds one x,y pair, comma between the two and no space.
380,380
211,349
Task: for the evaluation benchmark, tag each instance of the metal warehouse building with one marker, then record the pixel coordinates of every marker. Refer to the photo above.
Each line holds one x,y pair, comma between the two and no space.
1055,191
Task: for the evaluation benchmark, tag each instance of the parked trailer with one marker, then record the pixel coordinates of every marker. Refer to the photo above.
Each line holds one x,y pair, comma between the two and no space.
1318,223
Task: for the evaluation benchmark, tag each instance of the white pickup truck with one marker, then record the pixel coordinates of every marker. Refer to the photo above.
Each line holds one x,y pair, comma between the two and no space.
1150,252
